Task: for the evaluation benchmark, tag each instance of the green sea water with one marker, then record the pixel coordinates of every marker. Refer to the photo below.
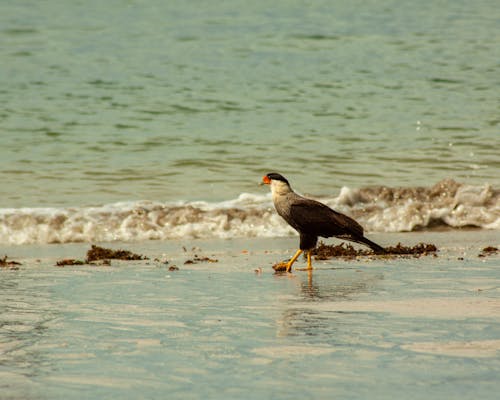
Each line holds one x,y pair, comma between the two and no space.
195,100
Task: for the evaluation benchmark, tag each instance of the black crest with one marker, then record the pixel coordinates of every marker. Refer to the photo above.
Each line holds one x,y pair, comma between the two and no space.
277,177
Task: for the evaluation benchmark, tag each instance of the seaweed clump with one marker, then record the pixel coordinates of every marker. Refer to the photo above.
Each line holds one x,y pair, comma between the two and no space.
69,261
420,249
9,264
488,251
198,259
97,253
325,252
100,256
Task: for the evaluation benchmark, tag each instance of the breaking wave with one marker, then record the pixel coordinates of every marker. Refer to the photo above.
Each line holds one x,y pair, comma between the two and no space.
378,209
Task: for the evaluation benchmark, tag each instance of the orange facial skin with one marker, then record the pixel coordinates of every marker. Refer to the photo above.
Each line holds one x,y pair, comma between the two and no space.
266,180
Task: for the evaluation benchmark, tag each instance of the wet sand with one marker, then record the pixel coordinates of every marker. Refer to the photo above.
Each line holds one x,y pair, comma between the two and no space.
425,327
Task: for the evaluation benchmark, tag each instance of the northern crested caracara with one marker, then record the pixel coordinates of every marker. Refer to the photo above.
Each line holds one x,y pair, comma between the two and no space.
311,219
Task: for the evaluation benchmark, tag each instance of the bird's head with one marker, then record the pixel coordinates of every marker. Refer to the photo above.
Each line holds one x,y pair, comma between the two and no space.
273,176
279,184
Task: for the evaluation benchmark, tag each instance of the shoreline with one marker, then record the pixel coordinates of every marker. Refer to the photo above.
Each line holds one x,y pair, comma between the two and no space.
456,243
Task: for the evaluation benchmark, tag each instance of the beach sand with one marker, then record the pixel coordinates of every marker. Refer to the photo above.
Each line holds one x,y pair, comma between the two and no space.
425,327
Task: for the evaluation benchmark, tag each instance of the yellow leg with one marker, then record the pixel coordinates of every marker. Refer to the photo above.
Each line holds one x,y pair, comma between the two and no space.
309,263
292,260
288,265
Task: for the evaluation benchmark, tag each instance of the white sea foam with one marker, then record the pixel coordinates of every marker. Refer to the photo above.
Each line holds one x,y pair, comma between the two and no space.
381,209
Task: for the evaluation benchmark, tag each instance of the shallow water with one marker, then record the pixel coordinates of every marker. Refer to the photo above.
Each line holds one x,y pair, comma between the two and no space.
413,328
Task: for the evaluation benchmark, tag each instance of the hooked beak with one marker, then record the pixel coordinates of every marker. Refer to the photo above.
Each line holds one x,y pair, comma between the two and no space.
265,180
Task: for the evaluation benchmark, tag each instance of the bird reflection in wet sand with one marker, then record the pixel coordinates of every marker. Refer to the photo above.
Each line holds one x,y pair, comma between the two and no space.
335,289
301,318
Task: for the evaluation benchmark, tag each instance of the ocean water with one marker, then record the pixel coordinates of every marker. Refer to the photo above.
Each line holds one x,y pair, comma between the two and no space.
113,109
104,102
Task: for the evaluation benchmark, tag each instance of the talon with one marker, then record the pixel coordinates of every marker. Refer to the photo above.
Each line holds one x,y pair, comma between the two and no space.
281,266
287,266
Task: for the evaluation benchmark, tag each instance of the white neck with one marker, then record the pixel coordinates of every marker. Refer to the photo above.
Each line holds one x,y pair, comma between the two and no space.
279,188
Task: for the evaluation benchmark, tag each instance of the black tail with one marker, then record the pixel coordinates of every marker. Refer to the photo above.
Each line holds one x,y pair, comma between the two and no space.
374,246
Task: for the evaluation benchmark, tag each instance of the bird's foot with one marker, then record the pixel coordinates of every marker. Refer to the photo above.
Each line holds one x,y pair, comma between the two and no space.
287,265
282,267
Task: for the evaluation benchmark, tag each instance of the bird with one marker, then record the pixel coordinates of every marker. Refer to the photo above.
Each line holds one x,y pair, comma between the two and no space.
312,219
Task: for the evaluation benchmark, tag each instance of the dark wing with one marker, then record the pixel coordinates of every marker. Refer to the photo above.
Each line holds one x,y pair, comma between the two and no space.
314,218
